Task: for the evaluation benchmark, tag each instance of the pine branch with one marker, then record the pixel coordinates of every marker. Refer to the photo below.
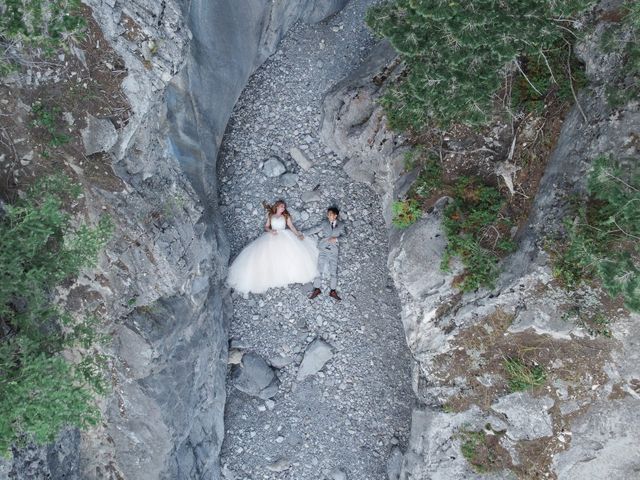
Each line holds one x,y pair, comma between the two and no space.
527,78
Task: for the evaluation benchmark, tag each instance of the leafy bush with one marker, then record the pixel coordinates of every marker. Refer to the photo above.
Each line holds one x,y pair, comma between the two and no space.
472,224
405,213
473,443
604,240
522,376
40,390
457,53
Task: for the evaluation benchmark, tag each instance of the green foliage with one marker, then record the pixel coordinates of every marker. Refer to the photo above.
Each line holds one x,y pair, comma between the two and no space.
457,53
554,70
596,324
41,391
471,219
473,441
45,25
405,213
430,178
49,120
627,86
522,376
481,450
604,241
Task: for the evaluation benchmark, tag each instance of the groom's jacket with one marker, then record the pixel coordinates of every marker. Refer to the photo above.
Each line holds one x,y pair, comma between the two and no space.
325,232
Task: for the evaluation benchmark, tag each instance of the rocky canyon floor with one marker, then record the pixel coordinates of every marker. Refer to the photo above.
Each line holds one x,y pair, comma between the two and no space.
345,420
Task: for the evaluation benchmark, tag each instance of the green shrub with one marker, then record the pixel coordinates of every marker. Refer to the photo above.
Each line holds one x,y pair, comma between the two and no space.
482,449
429,180
40,390
626,86
50,120
604,241
45,25
457,53
405,213
473,442
468,220
522,376
555,71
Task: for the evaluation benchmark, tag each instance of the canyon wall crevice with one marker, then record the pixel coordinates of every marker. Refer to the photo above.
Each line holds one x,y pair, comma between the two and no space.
161,278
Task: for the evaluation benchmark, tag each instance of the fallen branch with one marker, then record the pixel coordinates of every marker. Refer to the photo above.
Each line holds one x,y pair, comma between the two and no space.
527,78
575,98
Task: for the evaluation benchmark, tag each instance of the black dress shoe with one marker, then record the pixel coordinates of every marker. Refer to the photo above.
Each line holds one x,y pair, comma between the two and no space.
315,293
334,294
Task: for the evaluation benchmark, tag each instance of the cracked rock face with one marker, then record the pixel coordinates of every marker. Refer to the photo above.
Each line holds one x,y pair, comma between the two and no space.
527,416
457,339
353,126
161,277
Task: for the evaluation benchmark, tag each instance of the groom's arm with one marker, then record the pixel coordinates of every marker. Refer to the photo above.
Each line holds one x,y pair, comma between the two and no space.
312,230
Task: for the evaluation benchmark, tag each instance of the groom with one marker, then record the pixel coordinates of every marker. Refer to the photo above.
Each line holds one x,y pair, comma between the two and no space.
329,230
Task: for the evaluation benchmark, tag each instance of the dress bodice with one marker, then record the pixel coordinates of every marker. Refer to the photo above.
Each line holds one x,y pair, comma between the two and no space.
278,223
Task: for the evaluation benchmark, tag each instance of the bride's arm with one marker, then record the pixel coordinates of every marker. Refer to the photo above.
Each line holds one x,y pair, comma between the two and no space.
293,229
267,226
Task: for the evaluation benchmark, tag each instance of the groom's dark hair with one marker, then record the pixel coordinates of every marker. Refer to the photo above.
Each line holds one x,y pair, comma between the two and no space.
334,210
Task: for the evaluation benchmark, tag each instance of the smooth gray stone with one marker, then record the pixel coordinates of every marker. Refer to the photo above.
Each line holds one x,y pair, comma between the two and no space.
310,197
255,377
394,464
527,416
318,353
604,443
300,158
289,180
273,167
280,465
337,474
280,361
99,135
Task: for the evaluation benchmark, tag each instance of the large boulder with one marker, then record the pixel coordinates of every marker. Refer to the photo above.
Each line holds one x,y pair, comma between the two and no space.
317,354
255,377
99,135
354,126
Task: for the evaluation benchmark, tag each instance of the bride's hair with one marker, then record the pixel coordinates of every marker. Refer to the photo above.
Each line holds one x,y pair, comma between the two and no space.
272,209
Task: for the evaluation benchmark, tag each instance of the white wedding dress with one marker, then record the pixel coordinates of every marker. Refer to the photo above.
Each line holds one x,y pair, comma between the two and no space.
274,260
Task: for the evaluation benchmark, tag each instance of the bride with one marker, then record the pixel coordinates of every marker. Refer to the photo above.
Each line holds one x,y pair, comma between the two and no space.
278,257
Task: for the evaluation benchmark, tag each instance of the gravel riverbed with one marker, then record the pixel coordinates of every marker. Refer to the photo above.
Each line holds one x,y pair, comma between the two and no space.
345,420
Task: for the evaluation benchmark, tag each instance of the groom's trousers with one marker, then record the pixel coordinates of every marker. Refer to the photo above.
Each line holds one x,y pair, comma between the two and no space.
327,265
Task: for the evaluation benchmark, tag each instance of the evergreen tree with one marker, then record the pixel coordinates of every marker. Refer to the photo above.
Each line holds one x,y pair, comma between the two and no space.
604,241
457,53
40,390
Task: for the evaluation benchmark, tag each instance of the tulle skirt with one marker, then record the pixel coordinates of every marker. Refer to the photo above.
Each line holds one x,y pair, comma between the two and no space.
273,261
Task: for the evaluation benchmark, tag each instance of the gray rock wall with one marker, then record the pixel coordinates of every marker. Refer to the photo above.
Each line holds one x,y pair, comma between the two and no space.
457,340
161,278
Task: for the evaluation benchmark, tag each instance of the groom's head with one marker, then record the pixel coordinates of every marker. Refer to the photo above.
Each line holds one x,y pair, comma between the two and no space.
332,213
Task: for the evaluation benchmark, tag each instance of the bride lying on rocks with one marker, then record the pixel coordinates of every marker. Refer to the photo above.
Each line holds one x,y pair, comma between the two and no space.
277,258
